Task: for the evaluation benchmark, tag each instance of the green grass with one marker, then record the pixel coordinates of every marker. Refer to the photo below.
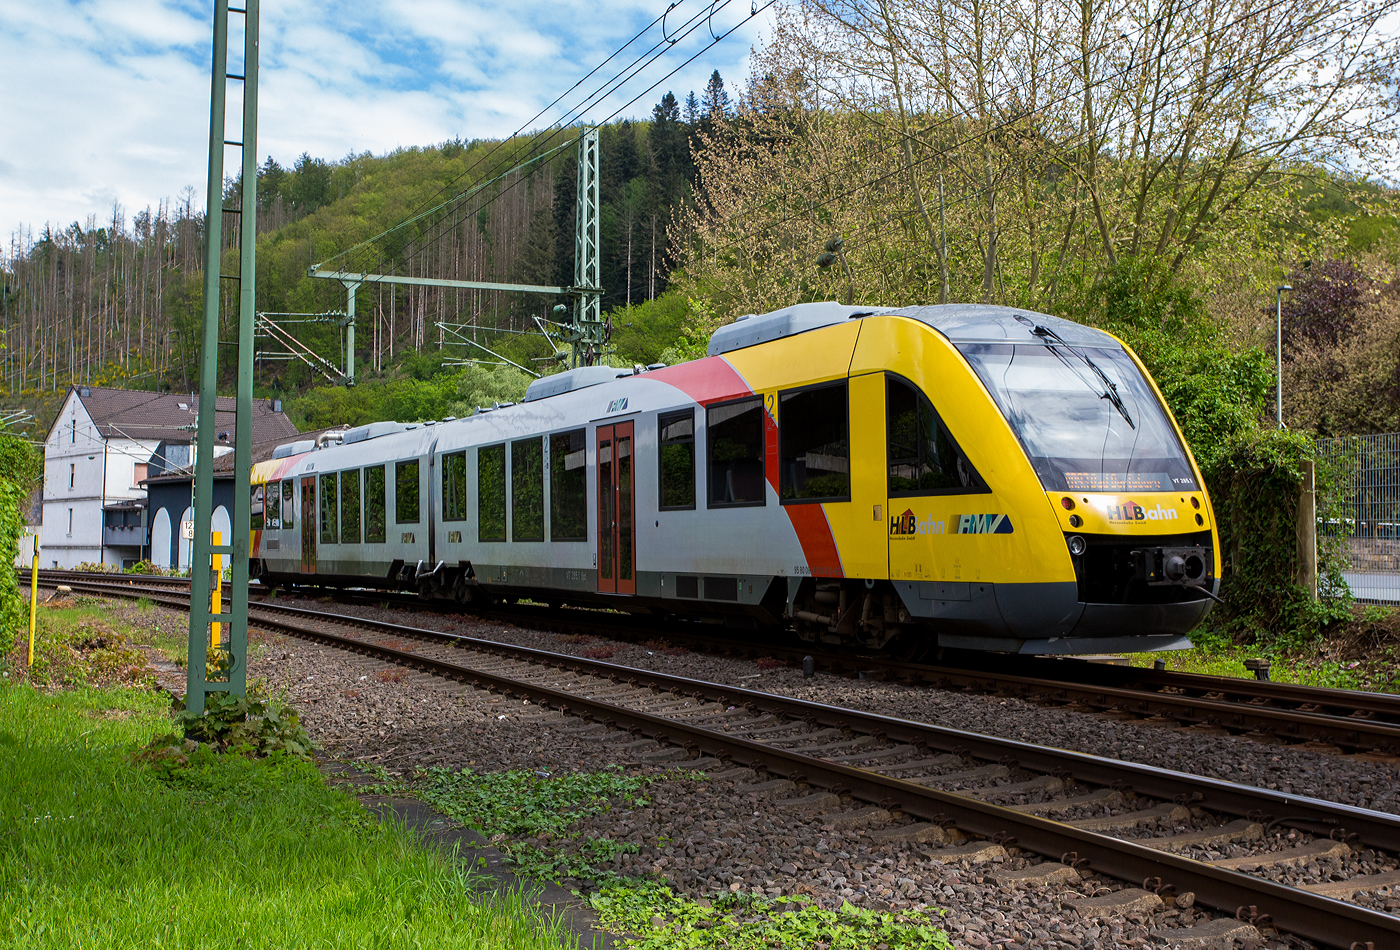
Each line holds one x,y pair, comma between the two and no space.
99,852
540,808
739,921
1335,662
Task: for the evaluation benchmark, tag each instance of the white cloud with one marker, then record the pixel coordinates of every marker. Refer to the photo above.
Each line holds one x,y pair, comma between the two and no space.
108,100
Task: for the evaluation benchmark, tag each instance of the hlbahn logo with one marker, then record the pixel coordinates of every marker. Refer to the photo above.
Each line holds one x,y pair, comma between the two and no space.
1130,512
984,524
908,525
617,405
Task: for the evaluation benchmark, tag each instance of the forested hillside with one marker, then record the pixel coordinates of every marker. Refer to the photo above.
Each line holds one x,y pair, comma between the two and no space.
118,300
1157,172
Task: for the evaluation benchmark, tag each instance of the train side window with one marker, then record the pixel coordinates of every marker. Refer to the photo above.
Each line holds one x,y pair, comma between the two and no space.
272,506
330,510
568,486
374,504
814,444
491,493
527,490
406,492
255,508
289,504
454,487
734,434
675,461
350,507
922,456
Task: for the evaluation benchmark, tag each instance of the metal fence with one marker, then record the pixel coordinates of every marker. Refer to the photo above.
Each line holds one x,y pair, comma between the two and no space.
1366,520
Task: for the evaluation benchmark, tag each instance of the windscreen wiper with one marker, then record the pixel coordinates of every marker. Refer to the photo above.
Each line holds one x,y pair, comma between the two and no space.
1052,339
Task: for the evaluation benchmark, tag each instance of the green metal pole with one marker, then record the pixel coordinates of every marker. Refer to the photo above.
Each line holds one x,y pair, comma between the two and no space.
247,306
350,289
209,374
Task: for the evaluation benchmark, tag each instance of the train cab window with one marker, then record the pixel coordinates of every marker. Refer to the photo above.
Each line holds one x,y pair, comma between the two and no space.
350,507
923,458
272,506
814,444
289,504
454,487
568,486
491,493
374,504
406,492
330,510
255,508
527,490
675,463
734,434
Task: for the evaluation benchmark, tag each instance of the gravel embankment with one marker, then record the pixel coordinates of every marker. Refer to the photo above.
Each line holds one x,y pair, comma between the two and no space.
707,834
1354,781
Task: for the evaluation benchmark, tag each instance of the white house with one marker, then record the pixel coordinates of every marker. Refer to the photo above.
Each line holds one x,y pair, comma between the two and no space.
103,444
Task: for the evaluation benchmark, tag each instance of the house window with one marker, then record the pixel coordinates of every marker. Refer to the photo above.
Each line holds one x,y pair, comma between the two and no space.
406,492
815,444
527,490
330,510
374,504
72,475
350,507
922,456
73,431
734,434
491,493
568,486
70,522
138,473
454,487
676,459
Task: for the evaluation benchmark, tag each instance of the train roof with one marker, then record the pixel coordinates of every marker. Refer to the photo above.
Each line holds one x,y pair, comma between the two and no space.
960,323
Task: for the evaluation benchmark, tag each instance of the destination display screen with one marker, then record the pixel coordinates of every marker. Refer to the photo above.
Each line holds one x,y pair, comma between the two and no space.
1118,481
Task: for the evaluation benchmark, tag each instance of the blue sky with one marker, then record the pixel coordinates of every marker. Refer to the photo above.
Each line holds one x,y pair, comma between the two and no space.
108,100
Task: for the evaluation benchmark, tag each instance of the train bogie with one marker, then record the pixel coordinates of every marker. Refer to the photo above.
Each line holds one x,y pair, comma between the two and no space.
889,478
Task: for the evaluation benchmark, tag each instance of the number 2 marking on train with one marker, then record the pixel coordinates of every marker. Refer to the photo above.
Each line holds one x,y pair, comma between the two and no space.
770,402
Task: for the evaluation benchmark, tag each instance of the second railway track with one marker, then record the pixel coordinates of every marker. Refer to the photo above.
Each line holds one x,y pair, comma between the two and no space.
1318,718
968,794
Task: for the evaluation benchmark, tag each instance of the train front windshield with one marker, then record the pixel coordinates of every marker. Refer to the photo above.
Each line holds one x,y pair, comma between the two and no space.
1086,416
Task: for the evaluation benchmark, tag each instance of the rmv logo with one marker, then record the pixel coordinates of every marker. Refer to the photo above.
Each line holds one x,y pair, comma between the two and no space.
617,405
984,524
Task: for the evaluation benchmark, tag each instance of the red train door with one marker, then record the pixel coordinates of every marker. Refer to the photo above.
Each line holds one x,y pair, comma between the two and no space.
308,525
616,504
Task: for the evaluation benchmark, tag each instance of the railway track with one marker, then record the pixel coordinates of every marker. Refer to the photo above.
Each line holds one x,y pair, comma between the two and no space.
1320,719
972,796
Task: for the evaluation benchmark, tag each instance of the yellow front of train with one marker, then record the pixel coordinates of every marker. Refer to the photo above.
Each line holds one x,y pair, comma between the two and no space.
1113,464
1016,479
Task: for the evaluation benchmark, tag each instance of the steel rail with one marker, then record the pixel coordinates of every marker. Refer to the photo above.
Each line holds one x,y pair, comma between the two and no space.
1312,916
1326,920
1092,685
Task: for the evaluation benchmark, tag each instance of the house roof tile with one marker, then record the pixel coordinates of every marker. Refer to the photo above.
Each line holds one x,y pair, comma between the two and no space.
126,413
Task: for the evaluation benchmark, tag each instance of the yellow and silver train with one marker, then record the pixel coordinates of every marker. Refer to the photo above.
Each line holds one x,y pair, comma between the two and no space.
953,476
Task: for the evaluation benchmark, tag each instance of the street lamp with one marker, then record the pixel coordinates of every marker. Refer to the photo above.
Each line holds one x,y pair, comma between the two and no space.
1278,343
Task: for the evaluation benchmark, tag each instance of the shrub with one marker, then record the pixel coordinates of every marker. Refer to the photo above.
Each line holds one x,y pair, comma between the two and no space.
12,603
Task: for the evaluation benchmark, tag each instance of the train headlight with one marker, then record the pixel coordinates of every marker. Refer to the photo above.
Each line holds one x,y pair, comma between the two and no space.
1077,545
